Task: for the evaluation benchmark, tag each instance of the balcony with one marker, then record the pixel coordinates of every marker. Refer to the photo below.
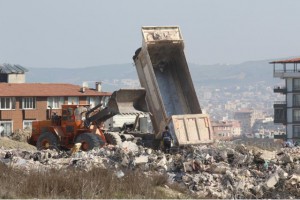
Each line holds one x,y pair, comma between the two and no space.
284,72
280,89
279,104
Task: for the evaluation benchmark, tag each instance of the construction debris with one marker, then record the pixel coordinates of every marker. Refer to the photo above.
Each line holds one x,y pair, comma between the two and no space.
217,171
21,135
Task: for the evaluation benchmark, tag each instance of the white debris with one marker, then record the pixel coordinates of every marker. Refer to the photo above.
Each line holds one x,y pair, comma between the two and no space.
272,180
141,160
120,174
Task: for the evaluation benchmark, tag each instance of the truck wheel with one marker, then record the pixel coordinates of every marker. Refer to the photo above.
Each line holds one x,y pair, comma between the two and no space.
47,140
88,141
113,138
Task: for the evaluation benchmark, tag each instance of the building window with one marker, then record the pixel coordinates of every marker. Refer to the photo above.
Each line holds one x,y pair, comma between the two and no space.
7,103
296,132
296,84
105,100
93,101
296,115
279,114
28,102
27,124
55,102
73,100
296,100
8,127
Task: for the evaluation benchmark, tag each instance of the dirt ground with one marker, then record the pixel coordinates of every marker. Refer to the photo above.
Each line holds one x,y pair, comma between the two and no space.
6,143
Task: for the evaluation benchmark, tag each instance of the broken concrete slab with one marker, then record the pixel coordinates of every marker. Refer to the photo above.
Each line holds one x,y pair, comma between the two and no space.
286,158
141,160
268,155
272,180
129,146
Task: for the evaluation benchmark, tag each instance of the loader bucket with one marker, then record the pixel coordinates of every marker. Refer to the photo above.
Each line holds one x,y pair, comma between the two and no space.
126,101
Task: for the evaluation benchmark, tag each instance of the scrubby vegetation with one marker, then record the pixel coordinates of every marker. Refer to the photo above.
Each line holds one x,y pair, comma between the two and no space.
97,183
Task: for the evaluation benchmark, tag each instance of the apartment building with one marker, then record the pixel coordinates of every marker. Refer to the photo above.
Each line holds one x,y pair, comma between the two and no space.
21,103
288,112
226,130
246,119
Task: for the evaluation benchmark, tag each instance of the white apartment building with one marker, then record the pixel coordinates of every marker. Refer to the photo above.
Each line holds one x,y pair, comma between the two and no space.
288,112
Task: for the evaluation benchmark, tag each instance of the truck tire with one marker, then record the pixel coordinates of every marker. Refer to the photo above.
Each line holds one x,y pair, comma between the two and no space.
47,140
88,141
113,138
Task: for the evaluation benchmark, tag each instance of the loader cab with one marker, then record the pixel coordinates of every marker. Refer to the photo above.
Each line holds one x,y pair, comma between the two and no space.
73,114
68,113
72,118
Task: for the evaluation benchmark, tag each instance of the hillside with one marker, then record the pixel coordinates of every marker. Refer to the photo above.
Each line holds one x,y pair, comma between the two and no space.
116,76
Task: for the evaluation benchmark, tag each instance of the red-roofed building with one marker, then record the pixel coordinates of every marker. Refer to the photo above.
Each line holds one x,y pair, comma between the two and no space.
21,103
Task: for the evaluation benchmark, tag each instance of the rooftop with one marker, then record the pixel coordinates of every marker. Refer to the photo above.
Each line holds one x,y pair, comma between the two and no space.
46,90
12,69
292,60
244,111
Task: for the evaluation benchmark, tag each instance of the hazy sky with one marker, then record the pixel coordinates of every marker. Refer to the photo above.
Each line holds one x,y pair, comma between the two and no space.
80,33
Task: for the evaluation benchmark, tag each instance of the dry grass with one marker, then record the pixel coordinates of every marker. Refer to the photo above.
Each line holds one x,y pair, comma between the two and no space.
66,184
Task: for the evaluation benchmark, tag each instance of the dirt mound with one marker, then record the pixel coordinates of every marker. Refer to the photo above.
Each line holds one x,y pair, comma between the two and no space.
6,143
21,135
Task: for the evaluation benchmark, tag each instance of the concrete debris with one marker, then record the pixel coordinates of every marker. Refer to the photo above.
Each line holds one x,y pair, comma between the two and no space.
216,171
21,135
141,160
129,146
272,180
120,174
286,158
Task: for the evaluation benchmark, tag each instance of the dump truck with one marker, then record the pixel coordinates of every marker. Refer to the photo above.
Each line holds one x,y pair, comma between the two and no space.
80,124
171,98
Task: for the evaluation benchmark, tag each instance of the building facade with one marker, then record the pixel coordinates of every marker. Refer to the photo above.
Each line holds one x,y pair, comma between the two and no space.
226,130
246,119
22,103
288,112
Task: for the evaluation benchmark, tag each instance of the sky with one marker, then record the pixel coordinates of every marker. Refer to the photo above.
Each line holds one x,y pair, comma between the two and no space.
83,33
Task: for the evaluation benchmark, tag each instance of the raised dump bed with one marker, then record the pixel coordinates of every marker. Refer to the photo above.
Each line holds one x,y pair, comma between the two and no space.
171,98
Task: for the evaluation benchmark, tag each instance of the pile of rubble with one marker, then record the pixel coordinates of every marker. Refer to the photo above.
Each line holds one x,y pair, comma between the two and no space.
217,171
21,135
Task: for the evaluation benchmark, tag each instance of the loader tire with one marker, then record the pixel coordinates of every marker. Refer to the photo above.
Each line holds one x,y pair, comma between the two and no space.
47,140
88,141
113,138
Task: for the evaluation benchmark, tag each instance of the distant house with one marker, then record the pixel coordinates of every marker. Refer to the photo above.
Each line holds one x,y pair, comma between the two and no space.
21,103
226,130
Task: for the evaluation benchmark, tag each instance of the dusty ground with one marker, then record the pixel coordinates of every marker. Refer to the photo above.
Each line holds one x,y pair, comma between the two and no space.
6,143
